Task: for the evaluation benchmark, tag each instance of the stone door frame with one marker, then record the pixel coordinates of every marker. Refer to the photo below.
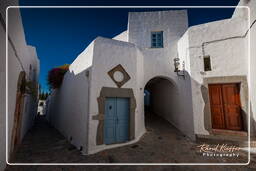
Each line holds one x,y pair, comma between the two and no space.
119,93
242,80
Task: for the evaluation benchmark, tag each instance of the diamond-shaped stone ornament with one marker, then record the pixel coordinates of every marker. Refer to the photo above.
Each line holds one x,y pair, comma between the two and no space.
119,75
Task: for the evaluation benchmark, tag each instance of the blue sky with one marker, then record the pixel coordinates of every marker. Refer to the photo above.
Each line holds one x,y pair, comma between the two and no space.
60,35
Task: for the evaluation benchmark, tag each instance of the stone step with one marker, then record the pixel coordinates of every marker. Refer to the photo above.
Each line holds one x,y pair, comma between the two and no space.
239,140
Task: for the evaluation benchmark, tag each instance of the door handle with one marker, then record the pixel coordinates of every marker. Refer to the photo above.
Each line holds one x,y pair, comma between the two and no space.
116,120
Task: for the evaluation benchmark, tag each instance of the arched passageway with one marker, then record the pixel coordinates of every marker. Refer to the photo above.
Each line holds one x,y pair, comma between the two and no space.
161,99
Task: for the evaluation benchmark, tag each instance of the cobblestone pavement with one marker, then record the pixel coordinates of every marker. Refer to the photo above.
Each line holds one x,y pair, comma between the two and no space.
162,143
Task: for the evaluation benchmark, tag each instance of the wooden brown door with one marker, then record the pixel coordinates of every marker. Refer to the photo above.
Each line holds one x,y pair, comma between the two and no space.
225,106
232,109
16,129
218,119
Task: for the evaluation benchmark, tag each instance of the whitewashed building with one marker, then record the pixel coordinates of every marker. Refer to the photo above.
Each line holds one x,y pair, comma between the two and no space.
23,71
41,107
100,104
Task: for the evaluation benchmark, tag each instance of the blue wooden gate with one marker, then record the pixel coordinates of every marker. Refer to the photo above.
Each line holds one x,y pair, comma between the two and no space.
116,123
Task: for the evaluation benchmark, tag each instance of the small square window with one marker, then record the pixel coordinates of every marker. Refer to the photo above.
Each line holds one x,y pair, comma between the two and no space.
207,63
157,39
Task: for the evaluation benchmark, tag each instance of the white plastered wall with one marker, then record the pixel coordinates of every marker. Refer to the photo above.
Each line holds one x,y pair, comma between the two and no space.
244,14
144,63
69,112
158,62
19,59
252,6
228,58
108,54
122,36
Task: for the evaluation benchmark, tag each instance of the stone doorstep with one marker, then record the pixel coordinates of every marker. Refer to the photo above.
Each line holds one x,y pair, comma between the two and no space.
252,144
229,132
238,135
242,141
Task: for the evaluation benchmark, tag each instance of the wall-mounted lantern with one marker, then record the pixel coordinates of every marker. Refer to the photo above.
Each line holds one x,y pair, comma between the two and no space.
176,66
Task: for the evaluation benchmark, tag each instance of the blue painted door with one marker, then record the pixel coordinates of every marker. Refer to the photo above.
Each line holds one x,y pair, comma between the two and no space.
116,124
122,126
110,121
146,98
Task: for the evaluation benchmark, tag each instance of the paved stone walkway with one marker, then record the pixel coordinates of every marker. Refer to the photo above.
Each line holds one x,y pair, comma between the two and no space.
161,144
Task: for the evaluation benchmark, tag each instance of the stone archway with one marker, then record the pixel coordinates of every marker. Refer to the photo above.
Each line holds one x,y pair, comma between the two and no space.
16,129
161,99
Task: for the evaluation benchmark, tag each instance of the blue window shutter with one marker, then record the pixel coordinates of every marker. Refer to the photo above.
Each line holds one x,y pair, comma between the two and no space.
157,39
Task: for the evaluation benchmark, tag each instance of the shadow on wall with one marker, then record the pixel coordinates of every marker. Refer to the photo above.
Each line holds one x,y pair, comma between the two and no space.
207,119
253,123
68,107
172,100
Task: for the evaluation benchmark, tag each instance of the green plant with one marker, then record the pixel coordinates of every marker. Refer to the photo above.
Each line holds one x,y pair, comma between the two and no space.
31,88
43,95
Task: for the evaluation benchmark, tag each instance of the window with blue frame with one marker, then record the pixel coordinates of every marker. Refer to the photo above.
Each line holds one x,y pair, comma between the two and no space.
157,39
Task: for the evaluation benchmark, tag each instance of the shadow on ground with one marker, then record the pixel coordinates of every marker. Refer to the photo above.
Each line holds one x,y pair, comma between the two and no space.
162,143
